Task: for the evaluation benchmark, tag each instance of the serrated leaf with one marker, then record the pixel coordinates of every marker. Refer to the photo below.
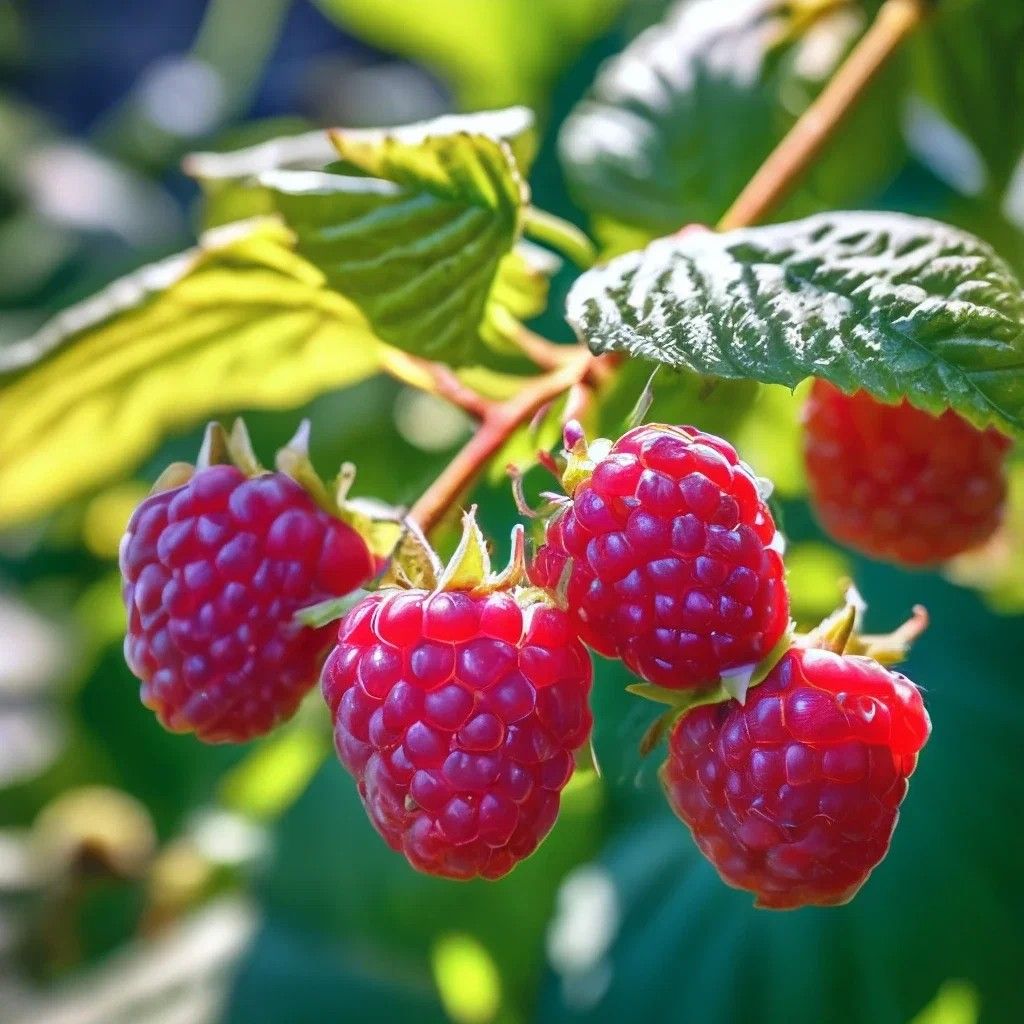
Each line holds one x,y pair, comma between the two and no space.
899,306
240,321
231,180
418,225
676,124
436,150
491,53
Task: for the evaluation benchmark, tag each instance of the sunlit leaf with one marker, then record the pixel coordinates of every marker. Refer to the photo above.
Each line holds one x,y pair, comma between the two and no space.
896,305
239,322
493,52
418,225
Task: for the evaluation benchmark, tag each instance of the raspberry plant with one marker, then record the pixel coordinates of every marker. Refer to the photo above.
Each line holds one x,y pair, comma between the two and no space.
463,702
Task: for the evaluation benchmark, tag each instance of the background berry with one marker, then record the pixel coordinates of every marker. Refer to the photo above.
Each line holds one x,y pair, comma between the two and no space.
896,482
795,795
458,716
213,573
674,561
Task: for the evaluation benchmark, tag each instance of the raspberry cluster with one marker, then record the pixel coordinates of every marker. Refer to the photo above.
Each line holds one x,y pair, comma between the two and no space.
460,697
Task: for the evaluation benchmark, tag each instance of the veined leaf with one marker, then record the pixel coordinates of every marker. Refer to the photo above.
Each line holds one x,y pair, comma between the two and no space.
417,225
230,180
896,305
240,321
676,124
421,150
420,268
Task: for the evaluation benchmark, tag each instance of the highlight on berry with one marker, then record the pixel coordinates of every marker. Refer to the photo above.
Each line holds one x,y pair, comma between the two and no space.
512,554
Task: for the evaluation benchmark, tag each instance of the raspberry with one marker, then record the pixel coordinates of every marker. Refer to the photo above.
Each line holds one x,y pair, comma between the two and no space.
795,795
672,558
458,714
213,572
896,482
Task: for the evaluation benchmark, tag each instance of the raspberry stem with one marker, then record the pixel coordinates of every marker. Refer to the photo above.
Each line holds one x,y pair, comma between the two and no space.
571,366
498,423
895,22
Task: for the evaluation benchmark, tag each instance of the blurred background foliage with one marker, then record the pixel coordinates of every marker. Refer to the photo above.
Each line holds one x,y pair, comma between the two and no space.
146,878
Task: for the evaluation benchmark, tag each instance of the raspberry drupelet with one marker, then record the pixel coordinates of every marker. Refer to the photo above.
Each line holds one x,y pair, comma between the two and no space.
667,557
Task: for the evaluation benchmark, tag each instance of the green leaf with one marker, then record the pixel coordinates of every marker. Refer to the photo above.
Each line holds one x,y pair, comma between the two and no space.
289,974
896,305
419,229
231,180
239,322
492,53
675,126
967,64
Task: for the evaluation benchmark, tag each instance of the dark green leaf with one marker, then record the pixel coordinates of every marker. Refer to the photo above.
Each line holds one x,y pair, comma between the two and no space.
896,305
676,124
969,64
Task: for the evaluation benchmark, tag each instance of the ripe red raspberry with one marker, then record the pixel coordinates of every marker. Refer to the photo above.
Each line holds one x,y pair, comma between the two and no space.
675,558
458,714
213,572
795,795
896,482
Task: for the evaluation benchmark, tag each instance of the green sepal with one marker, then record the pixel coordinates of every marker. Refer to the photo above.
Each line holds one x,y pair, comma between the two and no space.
470,565
414,563
378,525
732,686
840,632
317,615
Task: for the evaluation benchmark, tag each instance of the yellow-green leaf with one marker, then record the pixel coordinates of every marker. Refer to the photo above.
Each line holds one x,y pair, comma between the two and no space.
418,225
240,321
492,52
